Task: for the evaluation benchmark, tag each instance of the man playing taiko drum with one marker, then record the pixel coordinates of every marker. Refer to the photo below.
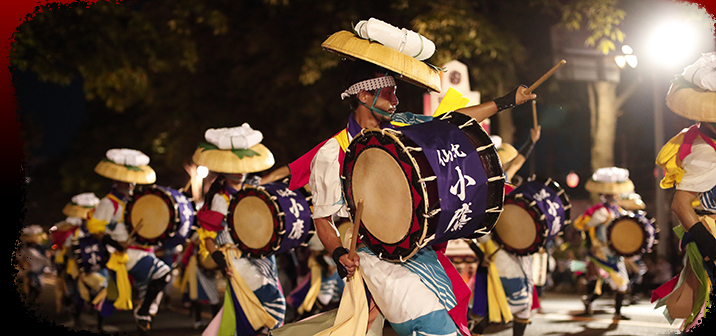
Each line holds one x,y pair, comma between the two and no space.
405,300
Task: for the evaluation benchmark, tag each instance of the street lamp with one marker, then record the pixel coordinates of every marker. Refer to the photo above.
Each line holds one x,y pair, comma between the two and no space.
670,45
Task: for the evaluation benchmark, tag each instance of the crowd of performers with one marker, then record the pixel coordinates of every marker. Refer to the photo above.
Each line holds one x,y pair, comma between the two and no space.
228,243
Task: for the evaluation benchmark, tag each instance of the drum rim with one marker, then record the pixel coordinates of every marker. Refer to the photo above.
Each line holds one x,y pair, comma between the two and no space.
496,182
173,213
542,232
279,220
644,248
380,251
561,192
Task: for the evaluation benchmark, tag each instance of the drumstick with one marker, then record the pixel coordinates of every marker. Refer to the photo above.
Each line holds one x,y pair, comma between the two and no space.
534,112
545,76
356,226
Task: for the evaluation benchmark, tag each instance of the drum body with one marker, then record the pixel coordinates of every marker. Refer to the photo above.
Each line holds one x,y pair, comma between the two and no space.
631,234
166,216
90,253
270,219
534,213
423,184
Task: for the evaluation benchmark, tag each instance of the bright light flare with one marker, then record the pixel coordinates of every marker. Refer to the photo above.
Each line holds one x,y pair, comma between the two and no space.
202,171
671,43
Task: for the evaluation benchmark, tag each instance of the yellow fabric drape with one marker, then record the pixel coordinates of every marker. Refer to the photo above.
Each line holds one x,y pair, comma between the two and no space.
353,313
315,288
667,160
190,279
95,226
118,263
498,308
452,101
204,234
252,307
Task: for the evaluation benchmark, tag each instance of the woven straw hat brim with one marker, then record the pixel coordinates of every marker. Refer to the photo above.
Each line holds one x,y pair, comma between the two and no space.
74,210
507,153
691,103
138,175
224,161
609,188
631,204
347,44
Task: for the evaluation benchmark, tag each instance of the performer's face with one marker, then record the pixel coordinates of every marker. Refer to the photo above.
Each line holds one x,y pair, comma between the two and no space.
387,99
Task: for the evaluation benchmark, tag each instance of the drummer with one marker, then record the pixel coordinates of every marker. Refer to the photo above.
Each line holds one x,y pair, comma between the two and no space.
232,153
608,183
514,272
126,168
64,235
689,162
411,306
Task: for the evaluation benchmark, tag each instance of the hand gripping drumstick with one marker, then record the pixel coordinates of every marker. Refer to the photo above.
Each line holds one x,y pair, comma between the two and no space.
545,76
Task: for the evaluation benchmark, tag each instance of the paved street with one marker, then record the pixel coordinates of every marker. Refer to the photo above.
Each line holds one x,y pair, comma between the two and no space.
559,316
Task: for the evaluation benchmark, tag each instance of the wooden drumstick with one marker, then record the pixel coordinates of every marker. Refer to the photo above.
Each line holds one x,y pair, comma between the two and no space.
545,76
534,112
356,226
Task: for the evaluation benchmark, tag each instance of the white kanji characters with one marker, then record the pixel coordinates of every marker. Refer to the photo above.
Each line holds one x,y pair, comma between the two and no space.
285,192
445,156
459,219
297,229
463,182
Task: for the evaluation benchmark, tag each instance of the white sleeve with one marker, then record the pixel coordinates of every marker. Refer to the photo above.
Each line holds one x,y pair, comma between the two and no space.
699,167
599,217
219,204
104,210
325,182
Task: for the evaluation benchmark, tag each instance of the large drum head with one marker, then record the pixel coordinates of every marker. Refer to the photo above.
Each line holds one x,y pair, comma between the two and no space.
386,195
626,236
151,212
253,222
515,227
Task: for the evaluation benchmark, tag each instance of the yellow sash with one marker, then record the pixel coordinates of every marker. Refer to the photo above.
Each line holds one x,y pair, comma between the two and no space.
118,263
498,308
252,307
352,316
190,279
315,288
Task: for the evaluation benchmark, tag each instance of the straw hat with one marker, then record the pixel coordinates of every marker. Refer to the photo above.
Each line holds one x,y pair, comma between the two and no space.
691,94
81,205
692,102
631,201
235,150
611,180
126,165
505,151
33,233
349,45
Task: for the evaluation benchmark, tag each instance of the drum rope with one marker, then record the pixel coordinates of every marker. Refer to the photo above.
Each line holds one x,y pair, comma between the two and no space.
432,214
495,209
427,240
468,123
496,178
412,149
427,179
482,148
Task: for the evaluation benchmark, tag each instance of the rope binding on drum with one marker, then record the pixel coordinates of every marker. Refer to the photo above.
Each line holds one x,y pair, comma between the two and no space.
427,179
432,214
496,178
480,149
